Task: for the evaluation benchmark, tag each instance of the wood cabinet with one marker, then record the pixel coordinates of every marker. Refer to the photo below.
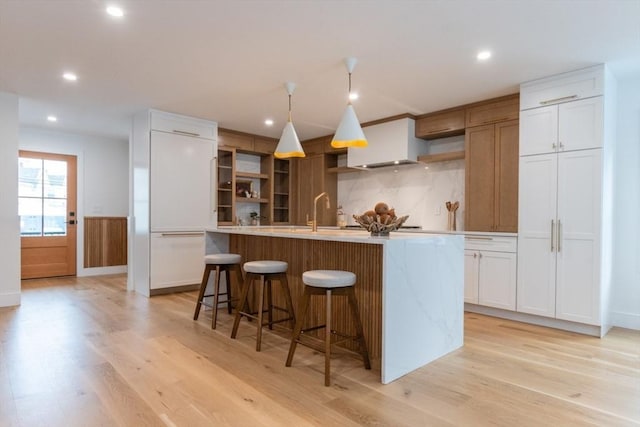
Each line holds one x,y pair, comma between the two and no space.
490,271
232,139
281,191
491,177
565,179
226,162
312,178
264,145
441,124
498,110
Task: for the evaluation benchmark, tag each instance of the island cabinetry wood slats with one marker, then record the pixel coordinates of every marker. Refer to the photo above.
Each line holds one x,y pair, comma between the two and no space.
105,241
365,260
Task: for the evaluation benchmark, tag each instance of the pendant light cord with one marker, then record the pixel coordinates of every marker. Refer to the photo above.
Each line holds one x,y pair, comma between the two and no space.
289,107
349,97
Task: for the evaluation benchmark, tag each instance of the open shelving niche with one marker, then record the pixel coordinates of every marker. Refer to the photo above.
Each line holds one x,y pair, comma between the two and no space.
268,176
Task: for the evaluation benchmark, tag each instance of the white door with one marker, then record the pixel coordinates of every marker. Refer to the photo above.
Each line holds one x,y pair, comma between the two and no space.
536,225
497,280
471,276
539,130
180,182
579,212
581,124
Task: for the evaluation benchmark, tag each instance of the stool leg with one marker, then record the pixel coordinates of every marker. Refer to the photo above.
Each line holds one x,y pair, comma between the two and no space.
260,310
353,303
270,304
216,297
287,296
302,312
327,342
228,276
203,287
243,301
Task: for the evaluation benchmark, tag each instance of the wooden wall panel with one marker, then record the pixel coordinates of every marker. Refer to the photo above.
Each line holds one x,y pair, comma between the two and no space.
105,241
365,260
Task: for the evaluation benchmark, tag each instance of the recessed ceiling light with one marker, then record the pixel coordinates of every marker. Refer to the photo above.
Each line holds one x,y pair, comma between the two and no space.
70,76
115,11
483,55
52,118
397,162
353,96
268,122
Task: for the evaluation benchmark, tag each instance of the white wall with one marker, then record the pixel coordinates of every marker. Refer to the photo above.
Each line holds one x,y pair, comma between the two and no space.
103,177
9,221
625,301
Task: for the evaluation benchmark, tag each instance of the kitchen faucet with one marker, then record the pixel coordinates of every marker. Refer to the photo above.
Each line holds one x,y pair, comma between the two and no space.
314,222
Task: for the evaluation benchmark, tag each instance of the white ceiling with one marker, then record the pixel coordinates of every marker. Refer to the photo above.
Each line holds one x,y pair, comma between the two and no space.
227,60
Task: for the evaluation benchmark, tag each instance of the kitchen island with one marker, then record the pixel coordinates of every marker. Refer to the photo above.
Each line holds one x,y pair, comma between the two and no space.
409,287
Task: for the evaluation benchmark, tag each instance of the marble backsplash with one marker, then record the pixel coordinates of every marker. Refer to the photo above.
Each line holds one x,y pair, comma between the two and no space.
418,190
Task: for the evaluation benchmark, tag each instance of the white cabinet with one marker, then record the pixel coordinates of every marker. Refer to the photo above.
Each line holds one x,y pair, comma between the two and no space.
559,236
556,128
490,271
563,184
566,87
180,183
172,179
176,259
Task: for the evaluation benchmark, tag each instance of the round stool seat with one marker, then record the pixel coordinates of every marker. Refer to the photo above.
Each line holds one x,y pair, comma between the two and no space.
329,278
265,267
222,259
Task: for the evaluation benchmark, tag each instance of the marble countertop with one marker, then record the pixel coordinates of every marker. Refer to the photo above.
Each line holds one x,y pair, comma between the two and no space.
323,233
335,233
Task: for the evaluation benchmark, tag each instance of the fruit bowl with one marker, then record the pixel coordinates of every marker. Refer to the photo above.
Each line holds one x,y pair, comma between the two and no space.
381,220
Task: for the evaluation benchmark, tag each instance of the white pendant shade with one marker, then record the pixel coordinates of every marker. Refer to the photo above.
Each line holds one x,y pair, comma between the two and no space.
289,145
349,132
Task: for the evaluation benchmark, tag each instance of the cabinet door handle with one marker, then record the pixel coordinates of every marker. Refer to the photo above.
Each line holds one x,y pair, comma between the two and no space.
477,238
479,254
559,234
552,234
184,132
475,255
561,146
183,234
554,145
563,98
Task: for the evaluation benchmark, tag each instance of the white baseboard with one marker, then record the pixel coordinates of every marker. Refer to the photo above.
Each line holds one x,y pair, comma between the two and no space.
548,322
98,271
10,300
625,320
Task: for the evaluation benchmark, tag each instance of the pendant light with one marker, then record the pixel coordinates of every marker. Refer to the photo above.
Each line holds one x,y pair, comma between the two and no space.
349,132
289,144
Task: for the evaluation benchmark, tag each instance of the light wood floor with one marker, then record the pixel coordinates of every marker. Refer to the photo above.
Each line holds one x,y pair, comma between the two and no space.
84,352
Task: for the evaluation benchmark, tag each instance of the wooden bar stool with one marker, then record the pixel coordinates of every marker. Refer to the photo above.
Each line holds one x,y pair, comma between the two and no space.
219,263
265,272
328,283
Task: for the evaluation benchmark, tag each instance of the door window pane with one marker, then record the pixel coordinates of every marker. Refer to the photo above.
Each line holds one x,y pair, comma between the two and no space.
30,211
55,216
55,179
29,177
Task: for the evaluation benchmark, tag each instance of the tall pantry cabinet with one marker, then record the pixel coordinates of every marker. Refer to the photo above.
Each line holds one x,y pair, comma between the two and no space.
564,234
173,174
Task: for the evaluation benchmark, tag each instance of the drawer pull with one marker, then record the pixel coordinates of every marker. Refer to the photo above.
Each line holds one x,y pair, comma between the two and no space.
182,234
478,238
184,132
564,98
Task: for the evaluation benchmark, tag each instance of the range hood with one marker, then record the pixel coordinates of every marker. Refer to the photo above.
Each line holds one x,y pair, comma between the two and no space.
390,143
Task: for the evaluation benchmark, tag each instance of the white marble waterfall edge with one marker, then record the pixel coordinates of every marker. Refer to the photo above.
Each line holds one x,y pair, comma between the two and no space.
422,302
